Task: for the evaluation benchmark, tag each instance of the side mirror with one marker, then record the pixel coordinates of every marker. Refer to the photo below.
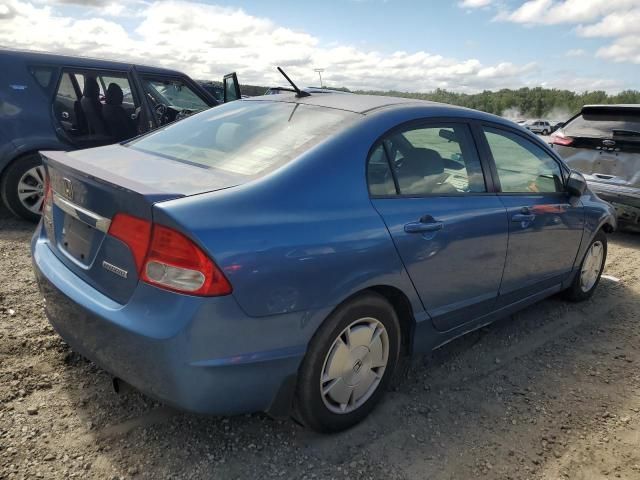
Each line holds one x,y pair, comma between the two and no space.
576,184
231,87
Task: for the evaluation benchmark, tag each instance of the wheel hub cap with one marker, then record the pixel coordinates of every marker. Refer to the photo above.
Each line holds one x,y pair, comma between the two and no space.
591,266
354,365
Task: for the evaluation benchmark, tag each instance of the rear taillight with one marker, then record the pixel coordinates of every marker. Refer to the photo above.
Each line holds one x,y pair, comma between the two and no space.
559,138
168,259
133,231
176,263
47,193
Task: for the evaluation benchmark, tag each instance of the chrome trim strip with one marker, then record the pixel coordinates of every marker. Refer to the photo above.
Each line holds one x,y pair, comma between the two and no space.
79,213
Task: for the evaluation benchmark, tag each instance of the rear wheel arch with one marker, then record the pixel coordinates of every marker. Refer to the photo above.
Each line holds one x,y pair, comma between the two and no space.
400,303
402,306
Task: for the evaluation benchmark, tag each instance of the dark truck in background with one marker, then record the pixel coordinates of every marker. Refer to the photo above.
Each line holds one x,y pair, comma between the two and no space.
603,143
57,102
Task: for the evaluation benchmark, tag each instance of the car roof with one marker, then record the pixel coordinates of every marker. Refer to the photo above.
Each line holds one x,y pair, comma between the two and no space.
367,104
83,62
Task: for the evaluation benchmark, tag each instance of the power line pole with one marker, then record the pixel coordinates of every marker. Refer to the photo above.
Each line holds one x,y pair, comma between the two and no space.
319,70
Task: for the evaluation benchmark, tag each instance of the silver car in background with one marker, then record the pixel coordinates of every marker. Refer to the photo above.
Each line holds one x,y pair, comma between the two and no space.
538,126
603,143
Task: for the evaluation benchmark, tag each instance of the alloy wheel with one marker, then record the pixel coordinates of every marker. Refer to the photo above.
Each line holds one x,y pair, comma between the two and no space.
31,189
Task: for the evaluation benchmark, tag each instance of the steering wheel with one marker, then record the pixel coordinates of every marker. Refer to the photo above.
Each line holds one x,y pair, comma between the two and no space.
183,114
161,112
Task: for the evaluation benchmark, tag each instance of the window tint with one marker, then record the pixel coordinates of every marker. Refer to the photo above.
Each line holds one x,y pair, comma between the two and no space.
246,137
523,167
379,174
436,160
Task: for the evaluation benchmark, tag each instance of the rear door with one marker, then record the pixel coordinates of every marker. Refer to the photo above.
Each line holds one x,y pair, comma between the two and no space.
545,223
72,124
427,183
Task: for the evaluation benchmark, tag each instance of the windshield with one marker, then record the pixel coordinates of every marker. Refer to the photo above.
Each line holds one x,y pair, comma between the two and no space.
603,124
246,137
173,93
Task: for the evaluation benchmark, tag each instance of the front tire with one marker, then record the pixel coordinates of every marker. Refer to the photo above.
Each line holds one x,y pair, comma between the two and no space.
588,277
22,187
350,361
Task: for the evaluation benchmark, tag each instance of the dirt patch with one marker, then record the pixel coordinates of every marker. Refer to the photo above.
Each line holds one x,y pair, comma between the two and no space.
552,392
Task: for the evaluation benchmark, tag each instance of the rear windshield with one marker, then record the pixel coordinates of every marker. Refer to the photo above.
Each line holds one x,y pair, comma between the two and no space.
602,124
245,137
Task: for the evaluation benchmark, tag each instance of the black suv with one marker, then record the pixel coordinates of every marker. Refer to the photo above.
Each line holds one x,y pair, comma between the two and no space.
55,102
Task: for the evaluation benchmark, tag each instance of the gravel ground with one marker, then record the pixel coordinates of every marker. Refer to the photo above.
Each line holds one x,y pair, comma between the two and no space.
552,392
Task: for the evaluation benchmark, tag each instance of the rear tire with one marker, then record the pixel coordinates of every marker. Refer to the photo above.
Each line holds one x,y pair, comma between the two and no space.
591,267
22,187
545,132
350,361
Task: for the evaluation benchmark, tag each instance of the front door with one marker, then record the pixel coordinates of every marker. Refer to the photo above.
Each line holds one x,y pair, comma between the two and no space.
427,183
545,223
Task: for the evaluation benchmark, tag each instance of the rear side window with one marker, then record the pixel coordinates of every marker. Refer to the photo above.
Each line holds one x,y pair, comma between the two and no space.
379,176
599,123
522,166
429,160
246,137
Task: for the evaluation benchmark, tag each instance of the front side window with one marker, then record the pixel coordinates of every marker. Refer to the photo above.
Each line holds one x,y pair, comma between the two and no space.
245,137
174,94
522,166
434,160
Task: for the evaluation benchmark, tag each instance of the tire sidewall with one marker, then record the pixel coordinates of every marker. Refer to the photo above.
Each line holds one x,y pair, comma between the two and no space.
310,405
9,186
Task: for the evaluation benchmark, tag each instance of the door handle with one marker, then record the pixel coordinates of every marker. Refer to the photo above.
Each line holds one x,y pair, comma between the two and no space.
65,115
521,217
525,215
421,227
603,176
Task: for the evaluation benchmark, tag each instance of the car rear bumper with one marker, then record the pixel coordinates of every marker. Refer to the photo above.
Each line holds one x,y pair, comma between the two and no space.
626,200
198,354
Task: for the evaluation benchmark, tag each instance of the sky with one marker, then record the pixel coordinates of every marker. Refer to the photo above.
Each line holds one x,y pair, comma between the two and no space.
407,45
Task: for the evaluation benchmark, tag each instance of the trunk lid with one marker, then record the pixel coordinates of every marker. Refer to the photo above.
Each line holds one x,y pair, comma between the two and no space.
604,144
90,186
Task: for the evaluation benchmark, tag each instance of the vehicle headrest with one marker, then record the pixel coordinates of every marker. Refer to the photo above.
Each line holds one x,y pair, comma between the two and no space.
114,94
422,162
227,136
91,88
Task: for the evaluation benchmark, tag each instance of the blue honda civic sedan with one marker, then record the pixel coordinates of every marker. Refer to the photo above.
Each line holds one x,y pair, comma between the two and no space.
283,253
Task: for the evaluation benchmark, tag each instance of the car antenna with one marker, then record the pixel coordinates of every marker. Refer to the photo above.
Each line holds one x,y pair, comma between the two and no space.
299,93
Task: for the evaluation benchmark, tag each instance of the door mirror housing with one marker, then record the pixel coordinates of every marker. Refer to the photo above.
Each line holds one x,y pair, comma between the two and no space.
576,184
231,87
